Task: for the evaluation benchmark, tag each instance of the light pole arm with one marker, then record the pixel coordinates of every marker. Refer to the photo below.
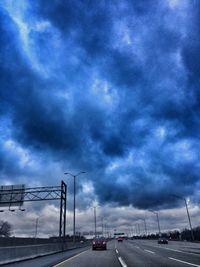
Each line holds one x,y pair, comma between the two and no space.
74,174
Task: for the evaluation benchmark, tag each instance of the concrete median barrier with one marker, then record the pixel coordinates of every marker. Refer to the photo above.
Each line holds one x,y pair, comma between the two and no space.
18,253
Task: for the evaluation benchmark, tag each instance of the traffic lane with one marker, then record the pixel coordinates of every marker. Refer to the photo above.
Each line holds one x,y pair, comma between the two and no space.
133,255
48,260
178,245
168,251
137,256
171,246
185,246
91,258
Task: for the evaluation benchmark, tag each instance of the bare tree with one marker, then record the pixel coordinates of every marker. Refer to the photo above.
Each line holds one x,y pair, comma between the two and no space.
5,229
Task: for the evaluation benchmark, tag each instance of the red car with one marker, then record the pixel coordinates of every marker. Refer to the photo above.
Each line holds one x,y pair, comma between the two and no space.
99,242
120,239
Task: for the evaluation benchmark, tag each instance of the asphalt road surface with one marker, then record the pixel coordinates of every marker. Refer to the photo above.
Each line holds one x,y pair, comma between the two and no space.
94,258
129,253
140,253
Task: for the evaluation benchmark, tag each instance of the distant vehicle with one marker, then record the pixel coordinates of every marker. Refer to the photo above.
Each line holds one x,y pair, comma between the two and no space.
99,242
162,240
120,239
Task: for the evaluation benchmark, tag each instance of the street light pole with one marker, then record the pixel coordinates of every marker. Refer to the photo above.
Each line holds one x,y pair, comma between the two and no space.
157,217
106,232
102,226
188,214
192,234
36,226
158,223
74,220
138,228
95,222
145,225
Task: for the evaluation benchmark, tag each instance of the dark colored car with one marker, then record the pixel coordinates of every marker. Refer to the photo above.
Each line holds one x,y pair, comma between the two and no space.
99,242
162,240
120,239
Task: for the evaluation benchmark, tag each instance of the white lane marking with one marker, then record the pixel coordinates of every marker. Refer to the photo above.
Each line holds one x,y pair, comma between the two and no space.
117,251
122,262
176,250
69,259
191,264
137,247
149,251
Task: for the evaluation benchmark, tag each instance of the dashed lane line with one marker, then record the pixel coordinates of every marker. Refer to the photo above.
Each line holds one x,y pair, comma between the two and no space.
179,251
185,262
122,262
59,264
152,252
176,250
171,249
174,259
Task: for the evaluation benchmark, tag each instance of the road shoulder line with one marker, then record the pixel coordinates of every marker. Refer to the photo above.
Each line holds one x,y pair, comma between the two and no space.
58,264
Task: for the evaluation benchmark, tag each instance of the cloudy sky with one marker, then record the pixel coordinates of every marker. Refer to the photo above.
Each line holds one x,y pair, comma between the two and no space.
106,87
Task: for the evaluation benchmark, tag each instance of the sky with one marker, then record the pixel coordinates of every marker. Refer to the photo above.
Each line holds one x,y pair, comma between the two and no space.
106,87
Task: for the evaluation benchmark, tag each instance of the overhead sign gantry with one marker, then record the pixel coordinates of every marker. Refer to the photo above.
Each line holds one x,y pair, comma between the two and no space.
15,196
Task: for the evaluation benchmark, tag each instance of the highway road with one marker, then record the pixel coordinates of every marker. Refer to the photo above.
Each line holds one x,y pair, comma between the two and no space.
97,258
129,253
142,253
139,254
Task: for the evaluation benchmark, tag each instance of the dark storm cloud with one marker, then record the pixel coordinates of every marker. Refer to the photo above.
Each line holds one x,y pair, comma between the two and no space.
108,88
190,50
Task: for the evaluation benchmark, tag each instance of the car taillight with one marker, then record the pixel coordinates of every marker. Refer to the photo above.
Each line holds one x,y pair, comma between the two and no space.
104,242
93,243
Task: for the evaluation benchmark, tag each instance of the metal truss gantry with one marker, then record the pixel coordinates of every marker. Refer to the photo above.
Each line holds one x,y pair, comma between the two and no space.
10,198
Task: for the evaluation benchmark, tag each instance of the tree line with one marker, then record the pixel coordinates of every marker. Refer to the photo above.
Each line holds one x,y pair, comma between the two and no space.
5,229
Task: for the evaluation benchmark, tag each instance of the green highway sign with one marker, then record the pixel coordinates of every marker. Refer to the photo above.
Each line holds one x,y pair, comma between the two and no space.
118,233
